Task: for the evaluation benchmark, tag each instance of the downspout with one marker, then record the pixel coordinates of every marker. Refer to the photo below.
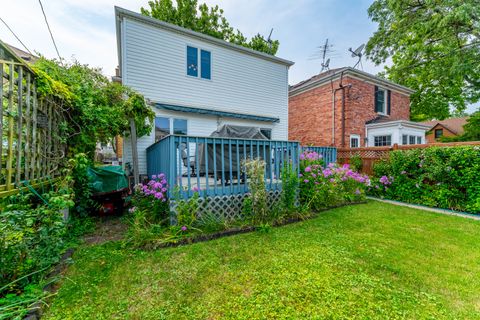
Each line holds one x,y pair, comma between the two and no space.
342,87
334,91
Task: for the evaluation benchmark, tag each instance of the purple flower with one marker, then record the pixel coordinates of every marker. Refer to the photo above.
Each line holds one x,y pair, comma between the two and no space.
332,180
300,175
308,169
306,181
154,176
158,195
184,228
195,189
314,175
357,191
163,181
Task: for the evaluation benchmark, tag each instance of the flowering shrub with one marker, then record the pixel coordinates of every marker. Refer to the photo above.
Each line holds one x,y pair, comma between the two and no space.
152,198
445,177
333,185
309,158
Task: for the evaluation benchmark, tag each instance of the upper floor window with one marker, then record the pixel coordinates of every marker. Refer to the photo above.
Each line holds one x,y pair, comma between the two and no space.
382,101
438,133
382,141
196,67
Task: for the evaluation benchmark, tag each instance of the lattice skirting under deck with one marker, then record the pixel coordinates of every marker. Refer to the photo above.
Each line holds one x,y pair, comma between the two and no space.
227,207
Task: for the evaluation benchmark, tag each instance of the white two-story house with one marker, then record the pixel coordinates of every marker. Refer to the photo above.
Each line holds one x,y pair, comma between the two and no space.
196,83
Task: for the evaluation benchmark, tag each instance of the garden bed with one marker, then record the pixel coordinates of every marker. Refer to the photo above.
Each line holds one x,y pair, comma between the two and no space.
247,229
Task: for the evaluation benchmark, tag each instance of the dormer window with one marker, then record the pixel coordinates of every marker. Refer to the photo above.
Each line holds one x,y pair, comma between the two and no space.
196,67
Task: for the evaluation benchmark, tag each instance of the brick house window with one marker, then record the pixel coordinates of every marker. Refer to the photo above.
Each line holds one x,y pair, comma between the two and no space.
438,133
354,141
382,141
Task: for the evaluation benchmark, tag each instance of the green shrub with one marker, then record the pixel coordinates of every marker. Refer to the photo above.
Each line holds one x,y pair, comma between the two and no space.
445,177
289,193
356,163
258,192
325,187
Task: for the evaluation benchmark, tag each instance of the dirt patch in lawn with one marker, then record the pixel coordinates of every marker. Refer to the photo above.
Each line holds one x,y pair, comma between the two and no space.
108,229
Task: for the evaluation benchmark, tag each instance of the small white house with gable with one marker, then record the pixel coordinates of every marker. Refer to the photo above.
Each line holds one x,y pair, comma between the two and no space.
196,83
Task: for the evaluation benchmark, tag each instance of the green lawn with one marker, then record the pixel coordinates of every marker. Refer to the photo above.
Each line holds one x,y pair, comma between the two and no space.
369,261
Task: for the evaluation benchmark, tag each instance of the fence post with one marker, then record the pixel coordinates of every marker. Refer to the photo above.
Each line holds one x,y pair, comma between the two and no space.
395,146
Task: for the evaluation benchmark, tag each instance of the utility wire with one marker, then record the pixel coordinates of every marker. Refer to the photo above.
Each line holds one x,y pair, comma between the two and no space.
49,30
15,35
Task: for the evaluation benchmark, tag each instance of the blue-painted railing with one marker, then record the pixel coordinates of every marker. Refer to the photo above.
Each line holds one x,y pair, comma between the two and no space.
329,154
215,166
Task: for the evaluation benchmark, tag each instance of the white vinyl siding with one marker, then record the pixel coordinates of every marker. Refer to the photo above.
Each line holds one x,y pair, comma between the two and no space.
154,64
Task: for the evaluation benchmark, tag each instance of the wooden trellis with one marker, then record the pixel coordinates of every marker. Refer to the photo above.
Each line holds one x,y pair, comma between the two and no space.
30,148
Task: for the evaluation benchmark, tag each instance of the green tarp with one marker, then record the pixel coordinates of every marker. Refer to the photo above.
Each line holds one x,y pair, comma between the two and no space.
107,179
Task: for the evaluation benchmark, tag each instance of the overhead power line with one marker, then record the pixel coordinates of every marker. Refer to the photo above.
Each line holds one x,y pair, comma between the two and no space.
10,29
49,30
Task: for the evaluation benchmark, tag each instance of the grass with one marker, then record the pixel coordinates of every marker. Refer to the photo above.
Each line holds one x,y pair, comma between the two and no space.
369,261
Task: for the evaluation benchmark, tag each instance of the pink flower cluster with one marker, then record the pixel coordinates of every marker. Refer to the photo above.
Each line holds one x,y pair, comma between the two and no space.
157,187
386,180
310,155
333,173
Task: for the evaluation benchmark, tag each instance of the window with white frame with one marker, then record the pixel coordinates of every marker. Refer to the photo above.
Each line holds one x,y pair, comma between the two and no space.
199,64
165,126
419,140
381,101
354,141
404,139
382,141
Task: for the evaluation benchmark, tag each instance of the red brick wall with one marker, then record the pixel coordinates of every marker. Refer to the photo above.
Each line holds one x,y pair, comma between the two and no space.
310,113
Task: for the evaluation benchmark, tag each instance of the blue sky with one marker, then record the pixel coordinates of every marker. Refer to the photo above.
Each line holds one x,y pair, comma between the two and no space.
85,29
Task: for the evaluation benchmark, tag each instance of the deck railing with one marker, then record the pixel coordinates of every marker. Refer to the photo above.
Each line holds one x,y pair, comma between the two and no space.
215,166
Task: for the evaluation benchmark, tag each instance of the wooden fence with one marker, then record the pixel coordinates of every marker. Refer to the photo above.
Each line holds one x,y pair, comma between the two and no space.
30,148
370,155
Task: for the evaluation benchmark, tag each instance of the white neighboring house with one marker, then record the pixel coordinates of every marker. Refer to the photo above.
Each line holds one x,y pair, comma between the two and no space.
196,83
401,132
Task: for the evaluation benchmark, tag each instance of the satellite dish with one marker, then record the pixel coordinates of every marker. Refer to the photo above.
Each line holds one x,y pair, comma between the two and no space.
358,54
326,64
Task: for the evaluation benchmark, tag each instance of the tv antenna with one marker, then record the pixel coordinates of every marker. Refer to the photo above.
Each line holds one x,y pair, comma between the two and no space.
269,40
357,53
323,52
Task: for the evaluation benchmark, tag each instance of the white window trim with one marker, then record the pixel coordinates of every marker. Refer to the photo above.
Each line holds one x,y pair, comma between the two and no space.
199,62
355,136
383,135
385,96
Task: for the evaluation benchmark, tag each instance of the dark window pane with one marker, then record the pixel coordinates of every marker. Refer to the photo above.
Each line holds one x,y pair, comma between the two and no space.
192,61
205,57
411,139
404,139
419,140
180,126
267,133
162,127
354,143
381,141
438,133
380,101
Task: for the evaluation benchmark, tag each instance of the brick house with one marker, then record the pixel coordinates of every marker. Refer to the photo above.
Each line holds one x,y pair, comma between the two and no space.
444,128
346,107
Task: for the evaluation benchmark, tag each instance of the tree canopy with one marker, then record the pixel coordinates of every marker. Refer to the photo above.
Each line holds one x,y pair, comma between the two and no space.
210,21
434,46
96,109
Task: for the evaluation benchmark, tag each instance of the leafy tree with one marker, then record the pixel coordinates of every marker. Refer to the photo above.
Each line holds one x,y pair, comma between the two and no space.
96,109
472,128
434,46
201,18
